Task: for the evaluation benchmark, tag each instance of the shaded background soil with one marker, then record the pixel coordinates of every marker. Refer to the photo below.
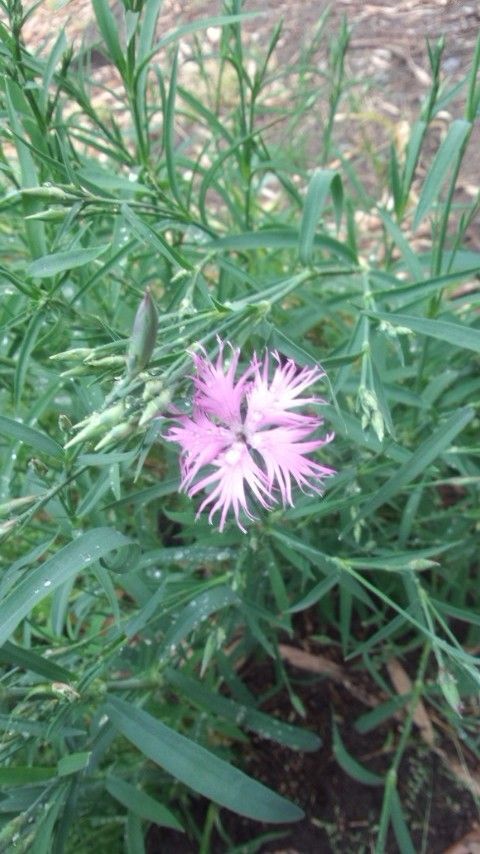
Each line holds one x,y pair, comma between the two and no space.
341,814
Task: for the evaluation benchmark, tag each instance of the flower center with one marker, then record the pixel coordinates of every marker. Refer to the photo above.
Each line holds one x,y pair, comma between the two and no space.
234,454
241,436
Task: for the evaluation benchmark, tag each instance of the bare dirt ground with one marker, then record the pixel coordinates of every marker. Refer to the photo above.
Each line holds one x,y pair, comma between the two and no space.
387,47
387,69
388,44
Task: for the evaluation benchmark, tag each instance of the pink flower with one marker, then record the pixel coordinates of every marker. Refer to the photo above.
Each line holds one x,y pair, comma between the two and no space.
246,436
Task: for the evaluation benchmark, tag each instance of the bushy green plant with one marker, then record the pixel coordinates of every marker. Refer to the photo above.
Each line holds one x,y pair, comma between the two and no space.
123,619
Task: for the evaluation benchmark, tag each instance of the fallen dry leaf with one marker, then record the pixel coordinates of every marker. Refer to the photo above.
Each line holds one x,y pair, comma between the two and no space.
323,665
468,844
403,685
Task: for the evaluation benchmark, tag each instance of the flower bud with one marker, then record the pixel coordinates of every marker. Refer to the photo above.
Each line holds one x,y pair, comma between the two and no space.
96,422
48,215
17,504
72,355
49,193
105,361
152,388
78,371
143,337
6,527
155,407
120,431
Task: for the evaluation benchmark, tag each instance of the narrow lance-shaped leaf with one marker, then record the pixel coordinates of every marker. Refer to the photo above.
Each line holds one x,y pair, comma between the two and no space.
322,182
350,765
199,768
55,571
440,168
244,716
457,334
425,454
31,436
60,262
152,238
141,804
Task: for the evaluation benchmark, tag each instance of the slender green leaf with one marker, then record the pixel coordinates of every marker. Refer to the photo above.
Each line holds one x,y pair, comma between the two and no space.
350,765
446,155
280,238
43,580
169,132
381,713
35,231
27,346
152,238
400,827
31,436
457,334
424,455
27,659
412,263
73,763
414,145
315,594
20,774
141,804
193,27
322,182
409,293
109,29
60,262
244,716
45,730
198,768
196,612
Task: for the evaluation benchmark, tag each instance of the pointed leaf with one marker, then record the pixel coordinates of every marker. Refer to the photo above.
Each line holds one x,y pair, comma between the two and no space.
199,769
141,804
43,580
446,155
60,262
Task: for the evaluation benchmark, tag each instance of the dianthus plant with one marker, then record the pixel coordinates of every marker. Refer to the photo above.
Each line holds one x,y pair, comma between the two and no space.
246,436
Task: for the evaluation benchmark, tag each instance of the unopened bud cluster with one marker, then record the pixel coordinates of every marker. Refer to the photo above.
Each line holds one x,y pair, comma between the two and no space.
124,412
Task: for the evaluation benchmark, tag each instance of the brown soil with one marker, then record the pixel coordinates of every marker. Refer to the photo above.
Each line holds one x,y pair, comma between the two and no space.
387,66
341,814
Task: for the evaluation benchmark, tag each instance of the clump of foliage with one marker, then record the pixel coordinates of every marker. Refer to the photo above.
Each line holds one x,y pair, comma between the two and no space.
123,619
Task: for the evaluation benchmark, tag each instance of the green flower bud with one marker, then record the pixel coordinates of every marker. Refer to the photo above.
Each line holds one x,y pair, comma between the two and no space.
73,355
49,215
143,337
120,431
16,504
7,526
78,371
155,407
105,361
96,422
47,193
152,388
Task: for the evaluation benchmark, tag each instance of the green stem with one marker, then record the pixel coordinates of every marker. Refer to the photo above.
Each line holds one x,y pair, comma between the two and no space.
392,775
